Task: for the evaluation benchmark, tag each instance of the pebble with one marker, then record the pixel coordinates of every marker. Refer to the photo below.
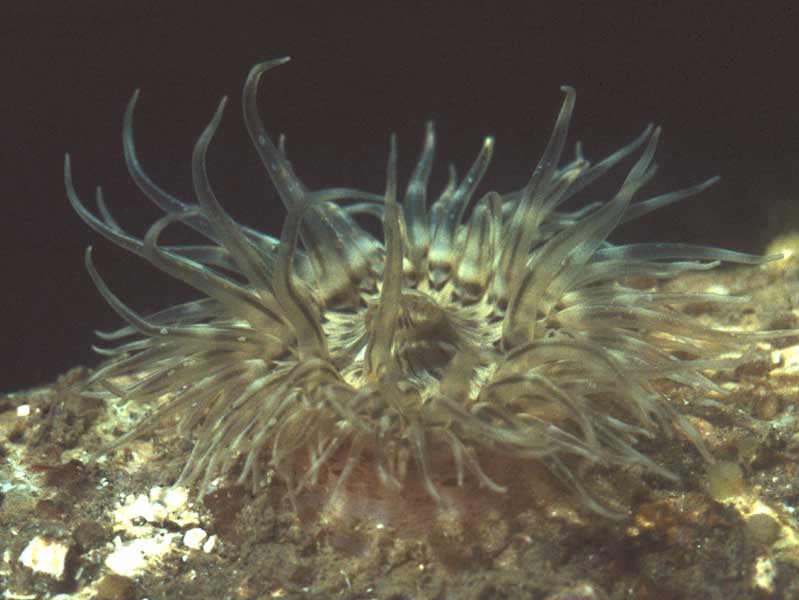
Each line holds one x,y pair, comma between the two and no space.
724,479
194,538
763,529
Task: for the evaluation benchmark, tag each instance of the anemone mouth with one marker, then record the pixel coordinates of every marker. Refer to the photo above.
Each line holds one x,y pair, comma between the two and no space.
498,326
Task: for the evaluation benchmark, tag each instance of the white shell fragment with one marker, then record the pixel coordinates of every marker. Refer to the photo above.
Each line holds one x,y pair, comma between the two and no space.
45,555
131,559
158,506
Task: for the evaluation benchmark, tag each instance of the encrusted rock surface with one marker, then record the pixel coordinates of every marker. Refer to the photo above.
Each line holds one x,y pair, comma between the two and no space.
114,529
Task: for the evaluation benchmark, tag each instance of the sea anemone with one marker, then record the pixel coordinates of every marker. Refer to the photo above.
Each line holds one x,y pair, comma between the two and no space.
464,333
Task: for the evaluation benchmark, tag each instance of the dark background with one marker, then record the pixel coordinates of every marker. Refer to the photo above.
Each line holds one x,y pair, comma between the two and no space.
721,80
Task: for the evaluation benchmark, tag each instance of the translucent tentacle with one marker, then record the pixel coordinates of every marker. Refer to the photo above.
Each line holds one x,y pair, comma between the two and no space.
381,338
416,216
